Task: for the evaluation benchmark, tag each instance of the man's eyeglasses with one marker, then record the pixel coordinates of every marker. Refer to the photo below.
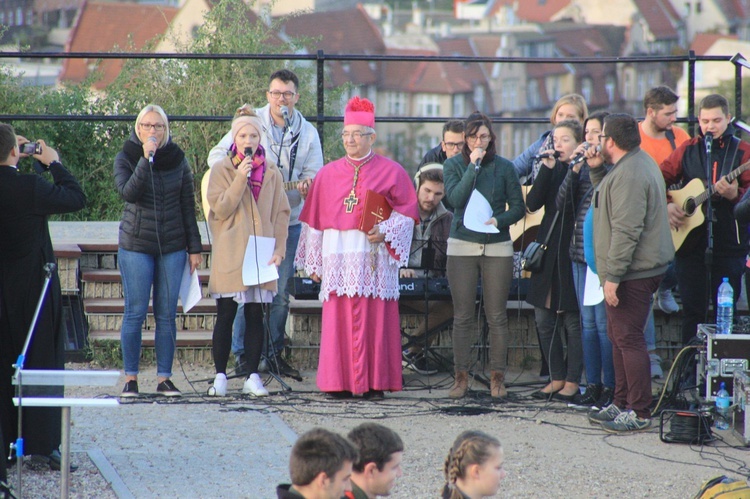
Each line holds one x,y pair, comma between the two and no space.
277,95
483,138
354,135
454,145
152,126
602,137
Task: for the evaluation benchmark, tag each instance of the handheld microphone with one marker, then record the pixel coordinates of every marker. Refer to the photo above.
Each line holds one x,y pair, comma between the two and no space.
151,153
709,138
477,164
285,114
248,152
580,156
555,155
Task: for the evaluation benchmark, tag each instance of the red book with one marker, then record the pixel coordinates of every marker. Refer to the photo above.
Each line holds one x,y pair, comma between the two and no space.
375,210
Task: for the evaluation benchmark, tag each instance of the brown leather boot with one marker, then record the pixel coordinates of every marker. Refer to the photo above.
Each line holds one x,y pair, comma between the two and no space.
497,387
460,385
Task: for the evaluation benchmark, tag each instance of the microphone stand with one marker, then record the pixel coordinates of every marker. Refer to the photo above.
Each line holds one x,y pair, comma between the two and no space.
17,447
709,254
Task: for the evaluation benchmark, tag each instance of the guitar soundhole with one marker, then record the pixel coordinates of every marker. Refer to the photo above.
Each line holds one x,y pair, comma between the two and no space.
689,208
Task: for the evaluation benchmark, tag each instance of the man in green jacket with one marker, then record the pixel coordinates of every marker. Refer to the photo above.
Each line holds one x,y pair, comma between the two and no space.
633,247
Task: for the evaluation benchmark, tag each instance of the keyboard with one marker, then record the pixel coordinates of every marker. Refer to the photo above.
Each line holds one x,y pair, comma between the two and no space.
410,289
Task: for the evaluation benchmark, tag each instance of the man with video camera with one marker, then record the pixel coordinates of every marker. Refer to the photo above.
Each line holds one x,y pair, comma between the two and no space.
26,200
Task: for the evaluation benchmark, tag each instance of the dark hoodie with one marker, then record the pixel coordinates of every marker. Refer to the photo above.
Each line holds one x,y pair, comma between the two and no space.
688,162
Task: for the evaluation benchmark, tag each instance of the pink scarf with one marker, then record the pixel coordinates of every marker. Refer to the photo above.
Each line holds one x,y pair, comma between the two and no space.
255,180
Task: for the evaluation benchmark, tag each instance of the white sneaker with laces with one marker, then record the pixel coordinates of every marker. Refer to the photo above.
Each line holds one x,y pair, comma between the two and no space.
219,388
254,386
666,302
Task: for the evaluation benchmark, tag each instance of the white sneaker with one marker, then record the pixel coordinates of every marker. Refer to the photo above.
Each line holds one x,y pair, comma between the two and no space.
666,302
219,388
656,371
254,386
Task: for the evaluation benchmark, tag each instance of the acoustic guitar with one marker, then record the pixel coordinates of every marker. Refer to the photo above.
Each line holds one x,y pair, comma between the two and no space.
525,230
690,198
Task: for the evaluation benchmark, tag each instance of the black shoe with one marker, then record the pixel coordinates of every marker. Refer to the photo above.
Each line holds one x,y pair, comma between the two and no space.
417,362
540,395
342,395
55,461
605,399
130,390
374,395
559,397
285,369
588,399
168,389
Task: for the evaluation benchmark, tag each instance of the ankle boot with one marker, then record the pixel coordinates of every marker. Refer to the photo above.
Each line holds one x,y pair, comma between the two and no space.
460,385
497,387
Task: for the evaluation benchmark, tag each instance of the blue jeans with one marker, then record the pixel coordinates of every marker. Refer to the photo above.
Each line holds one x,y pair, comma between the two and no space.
597,348
279,306
650,330
139,272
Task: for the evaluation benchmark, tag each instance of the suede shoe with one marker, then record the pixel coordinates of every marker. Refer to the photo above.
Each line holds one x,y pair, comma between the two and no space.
607,414
627,422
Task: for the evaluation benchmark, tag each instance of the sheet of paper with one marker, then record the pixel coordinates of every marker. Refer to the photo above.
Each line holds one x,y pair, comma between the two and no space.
478,211
256,269
190,288
593,294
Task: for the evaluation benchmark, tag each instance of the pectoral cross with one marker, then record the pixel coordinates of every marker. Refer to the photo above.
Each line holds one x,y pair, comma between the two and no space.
350,201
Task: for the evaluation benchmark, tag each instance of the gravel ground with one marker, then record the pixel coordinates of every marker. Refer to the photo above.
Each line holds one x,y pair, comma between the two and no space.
550,451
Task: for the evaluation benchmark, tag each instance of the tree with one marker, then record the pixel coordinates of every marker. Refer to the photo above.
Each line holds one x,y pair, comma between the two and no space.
183,87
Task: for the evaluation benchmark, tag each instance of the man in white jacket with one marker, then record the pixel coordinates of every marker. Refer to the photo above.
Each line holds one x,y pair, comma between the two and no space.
293,144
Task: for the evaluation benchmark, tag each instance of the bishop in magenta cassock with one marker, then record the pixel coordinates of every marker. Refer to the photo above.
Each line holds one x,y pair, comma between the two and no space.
360,346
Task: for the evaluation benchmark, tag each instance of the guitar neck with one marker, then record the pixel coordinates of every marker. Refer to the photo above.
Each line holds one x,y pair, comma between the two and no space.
290,186
731,176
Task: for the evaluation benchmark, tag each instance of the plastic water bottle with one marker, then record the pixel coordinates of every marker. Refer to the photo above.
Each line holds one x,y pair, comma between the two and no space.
724,308
723,401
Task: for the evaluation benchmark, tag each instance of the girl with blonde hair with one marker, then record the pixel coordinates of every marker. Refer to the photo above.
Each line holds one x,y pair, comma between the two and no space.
474,466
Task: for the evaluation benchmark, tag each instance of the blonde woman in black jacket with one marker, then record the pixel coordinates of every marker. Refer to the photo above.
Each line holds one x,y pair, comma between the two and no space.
158,233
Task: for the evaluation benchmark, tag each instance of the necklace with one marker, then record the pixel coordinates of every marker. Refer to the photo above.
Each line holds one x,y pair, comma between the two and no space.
352,199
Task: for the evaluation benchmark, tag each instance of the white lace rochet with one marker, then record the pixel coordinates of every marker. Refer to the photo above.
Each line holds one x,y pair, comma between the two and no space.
349,265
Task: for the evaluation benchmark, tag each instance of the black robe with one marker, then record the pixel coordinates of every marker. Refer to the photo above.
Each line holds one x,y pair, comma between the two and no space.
25,246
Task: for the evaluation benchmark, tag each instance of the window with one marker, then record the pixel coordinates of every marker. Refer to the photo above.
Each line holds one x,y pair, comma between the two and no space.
395,103
19,16
459,105
428,105
609,87
587,89
553,88
479,97
509,95
532,94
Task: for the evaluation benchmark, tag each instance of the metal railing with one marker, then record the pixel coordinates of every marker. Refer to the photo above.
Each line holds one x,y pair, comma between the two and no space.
320,58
